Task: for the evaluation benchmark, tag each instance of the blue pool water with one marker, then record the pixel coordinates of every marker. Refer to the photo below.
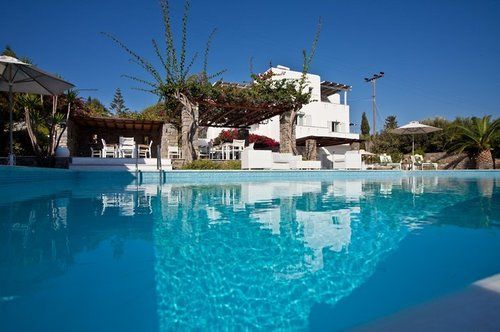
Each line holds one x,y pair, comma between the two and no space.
291,251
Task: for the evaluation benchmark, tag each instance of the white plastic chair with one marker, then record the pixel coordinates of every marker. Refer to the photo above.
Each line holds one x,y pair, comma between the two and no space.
204,148
145,152
236,148
173,152
95,153
108,150
126,147
216,152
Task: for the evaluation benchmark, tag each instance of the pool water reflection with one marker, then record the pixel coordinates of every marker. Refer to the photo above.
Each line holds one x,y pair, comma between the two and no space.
267,254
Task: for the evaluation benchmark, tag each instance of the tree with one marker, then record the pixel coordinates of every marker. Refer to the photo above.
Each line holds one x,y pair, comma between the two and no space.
177,86
94,107
365,125
390,123
8,51
301,96
191,96
478,140
117,106
43,117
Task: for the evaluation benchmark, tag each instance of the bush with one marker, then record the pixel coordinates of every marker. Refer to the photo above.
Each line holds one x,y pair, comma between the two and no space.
202,164
260,141
230,164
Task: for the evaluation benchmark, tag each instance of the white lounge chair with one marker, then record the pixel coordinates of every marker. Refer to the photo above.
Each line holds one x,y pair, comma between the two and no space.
338,161
256,159
350,160
266,159
418,161
353,160
386,160
282,160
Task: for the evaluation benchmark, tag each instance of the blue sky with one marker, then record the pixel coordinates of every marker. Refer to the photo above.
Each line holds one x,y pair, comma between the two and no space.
441,58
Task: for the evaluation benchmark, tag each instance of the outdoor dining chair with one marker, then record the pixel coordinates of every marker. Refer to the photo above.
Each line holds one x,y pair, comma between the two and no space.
173,152
108,150
126,147
236,148
95,153
145,150
216,152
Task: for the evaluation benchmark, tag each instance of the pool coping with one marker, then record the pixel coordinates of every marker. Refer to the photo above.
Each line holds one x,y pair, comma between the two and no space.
13,175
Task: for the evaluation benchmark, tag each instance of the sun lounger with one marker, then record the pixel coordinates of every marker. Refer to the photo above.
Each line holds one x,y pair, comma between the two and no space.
386,160
418,161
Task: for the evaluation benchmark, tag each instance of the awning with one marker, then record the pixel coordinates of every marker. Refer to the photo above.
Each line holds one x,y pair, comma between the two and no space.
327,141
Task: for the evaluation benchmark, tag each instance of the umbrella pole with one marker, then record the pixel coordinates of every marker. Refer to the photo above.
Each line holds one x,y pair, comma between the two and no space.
11,139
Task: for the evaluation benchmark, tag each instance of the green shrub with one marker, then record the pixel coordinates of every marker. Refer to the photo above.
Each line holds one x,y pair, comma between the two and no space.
230,164
201,164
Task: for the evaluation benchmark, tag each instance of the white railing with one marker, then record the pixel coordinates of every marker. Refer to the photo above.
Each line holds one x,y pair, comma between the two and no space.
304,131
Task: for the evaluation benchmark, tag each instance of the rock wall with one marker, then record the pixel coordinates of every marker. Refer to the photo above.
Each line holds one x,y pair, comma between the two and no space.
169,137
452,161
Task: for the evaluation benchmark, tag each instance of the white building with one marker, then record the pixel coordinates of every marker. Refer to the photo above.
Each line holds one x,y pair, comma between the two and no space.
325,118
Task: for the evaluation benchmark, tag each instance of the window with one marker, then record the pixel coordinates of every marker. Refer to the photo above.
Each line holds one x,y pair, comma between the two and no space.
300,119
335,126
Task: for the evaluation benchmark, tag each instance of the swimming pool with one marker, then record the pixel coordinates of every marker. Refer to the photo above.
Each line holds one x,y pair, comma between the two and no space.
238,250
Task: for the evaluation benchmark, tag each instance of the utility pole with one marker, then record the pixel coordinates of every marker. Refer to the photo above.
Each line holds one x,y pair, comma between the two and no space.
373,81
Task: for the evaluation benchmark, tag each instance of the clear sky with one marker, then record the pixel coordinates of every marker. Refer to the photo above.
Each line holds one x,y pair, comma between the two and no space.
441,57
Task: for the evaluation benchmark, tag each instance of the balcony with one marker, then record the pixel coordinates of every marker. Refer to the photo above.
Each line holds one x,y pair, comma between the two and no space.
304,131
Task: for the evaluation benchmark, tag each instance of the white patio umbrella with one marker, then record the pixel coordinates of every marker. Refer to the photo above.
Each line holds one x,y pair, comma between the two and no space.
17,76
414,128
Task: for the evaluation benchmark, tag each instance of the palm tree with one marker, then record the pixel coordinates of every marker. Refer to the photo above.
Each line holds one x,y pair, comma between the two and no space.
477,139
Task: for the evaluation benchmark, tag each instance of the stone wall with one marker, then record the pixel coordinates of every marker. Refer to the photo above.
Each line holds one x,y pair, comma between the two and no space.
169,137
452,161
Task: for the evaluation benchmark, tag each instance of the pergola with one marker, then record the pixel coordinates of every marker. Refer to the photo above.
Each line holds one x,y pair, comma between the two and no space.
82,129
213,114
118,123
328,88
